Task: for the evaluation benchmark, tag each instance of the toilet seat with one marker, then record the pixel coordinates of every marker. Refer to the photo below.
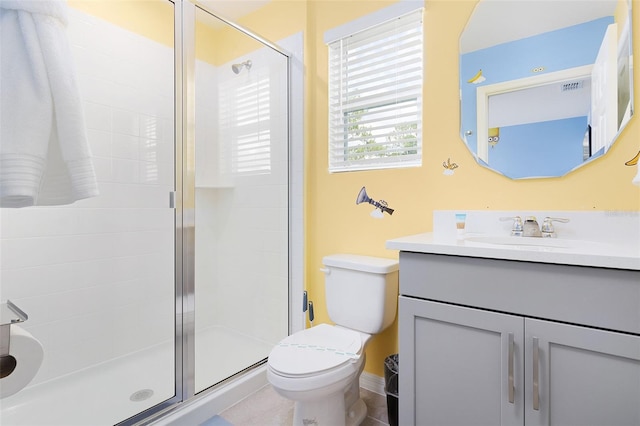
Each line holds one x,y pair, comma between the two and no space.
316,350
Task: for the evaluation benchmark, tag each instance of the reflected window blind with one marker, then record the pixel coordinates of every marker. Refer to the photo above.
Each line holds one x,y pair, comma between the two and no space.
245,122
375,96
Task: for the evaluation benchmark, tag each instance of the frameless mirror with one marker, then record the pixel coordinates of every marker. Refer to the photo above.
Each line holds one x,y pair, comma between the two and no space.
545,86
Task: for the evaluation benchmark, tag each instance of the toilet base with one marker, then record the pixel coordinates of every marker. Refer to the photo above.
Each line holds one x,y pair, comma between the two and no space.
326,411
356,413
329,411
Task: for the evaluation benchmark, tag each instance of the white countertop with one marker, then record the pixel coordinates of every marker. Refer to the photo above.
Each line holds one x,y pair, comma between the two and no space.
582,253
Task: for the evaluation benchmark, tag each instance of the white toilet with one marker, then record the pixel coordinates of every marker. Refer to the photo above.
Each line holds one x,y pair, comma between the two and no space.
319,368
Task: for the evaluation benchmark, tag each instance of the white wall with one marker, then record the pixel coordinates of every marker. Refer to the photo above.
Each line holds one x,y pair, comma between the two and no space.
96,278
241,219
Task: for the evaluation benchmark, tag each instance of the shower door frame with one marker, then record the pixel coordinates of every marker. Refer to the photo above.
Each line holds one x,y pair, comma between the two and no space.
189,185
182,200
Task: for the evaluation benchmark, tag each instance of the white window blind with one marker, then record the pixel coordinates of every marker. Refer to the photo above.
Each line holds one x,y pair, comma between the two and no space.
375,96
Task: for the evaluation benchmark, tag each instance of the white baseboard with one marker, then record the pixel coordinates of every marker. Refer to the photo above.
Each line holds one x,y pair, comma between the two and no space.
372,383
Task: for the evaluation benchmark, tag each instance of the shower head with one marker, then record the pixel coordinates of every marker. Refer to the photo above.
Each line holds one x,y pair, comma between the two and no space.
238,67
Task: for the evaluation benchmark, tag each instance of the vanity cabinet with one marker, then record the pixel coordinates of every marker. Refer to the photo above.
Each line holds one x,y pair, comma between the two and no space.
492,342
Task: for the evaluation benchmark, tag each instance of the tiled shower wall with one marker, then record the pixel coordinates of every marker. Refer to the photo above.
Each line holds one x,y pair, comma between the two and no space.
242,218
96,277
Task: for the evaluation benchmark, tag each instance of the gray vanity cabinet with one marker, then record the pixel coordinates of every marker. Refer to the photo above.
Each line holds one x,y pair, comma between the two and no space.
511,357
585,376
455,368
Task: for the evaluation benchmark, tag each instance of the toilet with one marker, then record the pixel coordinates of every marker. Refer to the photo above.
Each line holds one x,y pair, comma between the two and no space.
319,368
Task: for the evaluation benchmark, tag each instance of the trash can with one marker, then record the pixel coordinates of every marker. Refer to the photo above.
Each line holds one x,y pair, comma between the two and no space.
391,369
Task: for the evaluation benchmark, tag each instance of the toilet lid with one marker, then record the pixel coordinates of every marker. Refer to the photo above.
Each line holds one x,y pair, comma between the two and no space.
316,349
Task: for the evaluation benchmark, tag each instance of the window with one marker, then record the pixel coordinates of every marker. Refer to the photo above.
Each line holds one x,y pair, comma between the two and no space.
375,96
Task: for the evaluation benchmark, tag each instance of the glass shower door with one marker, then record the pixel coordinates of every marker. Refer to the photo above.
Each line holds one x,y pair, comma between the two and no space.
241,200
96,277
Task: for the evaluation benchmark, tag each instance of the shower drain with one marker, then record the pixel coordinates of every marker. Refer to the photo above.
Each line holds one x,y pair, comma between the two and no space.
141,395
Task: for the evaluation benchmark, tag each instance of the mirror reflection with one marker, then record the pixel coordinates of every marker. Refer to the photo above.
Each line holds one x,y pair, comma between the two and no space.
545,86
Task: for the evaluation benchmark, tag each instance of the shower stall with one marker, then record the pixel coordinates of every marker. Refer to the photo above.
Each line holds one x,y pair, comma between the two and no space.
174,283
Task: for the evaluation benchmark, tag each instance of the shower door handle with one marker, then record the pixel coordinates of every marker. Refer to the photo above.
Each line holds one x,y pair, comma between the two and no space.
311,314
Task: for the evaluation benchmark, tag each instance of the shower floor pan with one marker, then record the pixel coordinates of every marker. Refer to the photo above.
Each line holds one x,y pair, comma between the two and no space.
113,391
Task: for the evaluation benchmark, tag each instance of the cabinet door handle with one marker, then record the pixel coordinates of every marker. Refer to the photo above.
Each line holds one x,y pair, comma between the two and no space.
536,374
511,387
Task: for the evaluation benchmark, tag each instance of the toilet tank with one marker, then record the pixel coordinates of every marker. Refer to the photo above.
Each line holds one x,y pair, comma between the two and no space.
361,291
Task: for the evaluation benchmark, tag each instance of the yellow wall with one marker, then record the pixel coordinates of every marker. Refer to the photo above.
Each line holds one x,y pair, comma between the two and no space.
154,19
277,20
334,223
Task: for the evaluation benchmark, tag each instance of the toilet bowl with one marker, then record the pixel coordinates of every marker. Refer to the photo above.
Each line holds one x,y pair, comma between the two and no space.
333,360
319,368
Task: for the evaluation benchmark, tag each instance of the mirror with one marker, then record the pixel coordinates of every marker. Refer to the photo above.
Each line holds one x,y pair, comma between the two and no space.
545,86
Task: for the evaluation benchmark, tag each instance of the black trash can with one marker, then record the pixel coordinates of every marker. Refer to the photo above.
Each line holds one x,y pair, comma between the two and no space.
391,369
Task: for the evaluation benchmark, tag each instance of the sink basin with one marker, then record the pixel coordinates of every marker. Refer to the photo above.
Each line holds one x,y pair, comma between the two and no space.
520,241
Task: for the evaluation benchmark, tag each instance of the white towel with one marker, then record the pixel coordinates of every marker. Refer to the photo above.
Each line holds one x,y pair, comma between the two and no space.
44,153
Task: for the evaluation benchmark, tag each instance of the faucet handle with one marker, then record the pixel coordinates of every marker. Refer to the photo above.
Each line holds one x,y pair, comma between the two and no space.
516,229
547,226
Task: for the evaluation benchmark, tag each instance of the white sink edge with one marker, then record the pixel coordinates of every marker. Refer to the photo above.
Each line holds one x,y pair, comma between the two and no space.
619,256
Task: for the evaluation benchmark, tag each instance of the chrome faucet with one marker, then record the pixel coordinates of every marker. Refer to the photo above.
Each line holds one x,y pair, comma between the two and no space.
516,228
547,226
531,227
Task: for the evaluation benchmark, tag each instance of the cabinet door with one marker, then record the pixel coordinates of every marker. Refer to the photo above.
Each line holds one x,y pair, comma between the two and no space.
580,376
458,365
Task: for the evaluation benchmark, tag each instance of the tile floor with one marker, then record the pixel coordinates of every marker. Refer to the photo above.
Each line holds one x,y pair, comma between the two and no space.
267,408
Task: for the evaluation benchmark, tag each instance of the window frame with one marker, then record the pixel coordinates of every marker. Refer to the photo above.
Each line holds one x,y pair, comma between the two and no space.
406,89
